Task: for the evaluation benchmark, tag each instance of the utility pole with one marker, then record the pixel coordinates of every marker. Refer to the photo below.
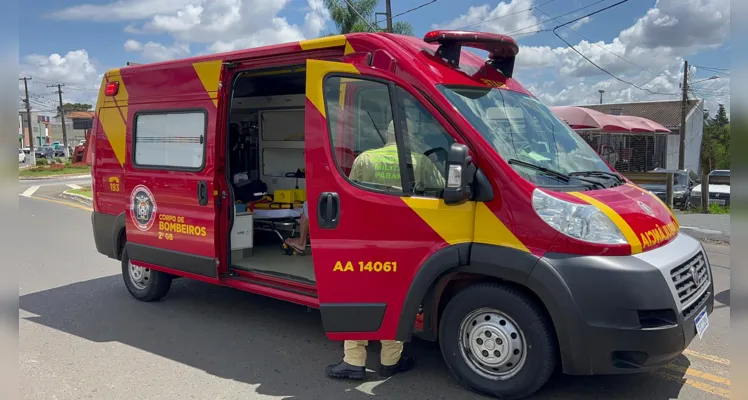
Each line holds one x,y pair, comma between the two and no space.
28,121
389,15
62,119
683,110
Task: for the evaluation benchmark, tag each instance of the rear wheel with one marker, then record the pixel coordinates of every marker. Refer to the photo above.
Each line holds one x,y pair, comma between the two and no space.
144,284
497,341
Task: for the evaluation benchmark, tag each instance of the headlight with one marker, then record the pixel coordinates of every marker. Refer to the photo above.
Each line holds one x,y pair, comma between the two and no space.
696,193
580,221
679,193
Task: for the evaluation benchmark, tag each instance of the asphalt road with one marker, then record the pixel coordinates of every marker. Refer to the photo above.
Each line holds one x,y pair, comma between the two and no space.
706,226
83,337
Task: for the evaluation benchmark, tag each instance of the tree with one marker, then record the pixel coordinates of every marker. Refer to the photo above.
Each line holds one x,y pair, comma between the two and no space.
345,14
70,107
720,118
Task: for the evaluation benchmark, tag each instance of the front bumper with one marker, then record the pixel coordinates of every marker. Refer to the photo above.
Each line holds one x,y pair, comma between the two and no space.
695,201
627,315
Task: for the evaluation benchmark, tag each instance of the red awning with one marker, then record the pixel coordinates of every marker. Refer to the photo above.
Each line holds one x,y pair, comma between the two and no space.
580,118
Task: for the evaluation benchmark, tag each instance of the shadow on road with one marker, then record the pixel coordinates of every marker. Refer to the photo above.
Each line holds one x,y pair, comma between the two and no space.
723,297
280,346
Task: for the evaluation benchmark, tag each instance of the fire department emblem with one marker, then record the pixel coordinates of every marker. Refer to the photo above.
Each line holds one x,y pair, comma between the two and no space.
142,208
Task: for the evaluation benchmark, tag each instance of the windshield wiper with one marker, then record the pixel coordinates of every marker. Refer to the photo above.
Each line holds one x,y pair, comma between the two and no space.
554,173
548,171
598,173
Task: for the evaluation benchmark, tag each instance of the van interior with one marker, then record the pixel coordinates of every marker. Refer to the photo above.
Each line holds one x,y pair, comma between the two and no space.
266,172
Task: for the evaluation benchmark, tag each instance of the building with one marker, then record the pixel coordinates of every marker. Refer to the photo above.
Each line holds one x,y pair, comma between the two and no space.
40,128
77,124
649,151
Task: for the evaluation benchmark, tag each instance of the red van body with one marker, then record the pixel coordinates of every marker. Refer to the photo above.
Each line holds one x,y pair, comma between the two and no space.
389,266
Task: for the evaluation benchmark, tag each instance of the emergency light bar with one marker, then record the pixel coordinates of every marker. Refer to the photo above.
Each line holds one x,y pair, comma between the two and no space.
501,48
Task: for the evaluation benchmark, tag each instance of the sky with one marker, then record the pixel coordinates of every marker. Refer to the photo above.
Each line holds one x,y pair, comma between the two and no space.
642,44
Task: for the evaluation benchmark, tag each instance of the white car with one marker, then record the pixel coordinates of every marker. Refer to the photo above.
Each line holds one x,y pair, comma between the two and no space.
719,189
21,156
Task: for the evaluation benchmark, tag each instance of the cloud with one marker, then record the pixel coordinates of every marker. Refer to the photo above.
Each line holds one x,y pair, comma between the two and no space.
123,10
152,51
504,18
220,25
581,22
80,75
681,24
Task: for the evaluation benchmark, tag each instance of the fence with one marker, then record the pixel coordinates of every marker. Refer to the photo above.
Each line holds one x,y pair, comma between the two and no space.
628,152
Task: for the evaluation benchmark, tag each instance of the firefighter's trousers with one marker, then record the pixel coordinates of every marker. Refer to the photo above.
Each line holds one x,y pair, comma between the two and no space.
355,352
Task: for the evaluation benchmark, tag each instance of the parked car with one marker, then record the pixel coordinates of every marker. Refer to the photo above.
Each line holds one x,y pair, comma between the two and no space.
719,189
45,151
21,156
684,180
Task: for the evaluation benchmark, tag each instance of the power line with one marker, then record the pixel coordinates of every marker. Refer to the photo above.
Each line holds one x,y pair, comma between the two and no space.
506,15
560,16
408,11
592,62
720,69
360,16
602,47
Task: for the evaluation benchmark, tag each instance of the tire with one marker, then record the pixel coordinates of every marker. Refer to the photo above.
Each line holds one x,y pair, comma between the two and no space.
154,288
483,308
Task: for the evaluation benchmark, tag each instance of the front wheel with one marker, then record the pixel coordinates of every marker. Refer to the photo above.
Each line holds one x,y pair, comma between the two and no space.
498,341
144,284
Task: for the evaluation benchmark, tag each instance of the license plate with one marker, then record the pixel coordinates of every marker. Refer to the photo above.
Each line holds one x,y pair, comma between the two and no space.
702,323
716,201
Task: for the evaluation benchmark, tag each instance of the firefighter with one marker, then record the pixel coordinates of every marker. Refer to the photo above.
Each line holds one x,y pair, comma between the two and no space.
381,167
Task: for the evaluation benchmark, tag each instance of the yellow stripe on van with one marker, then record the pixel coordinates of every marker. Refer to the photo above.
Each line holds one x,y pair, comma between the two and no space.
323,42
112,114
454,224
465,223
628,233
209,73
315,74
348,48
490,230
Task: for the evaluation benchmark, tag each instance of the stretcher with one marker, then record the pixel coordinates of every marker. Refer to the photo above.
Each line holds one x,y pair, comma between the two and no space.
277,220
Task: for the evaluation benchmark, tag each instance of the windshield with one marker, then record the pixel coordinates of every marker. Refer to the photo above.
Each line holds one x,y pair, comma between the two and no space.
519,127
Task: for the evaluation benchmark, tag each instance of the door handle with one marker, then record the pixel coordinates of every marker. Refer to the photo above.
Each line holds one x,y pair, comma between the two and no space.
328,210
202,193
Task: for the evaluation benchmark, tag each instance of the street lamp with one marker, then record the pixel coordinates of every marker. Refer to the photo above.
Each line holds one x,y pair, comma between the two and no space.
711,78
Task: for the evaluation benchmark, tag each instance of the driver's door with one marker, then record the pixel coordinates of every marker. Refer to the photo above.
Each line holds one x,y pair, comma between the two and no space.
370,239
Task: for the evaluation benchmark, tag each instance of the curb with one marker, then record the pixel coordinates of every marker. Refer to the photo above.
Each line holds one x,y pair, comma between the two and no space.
77,197
707,235
49,177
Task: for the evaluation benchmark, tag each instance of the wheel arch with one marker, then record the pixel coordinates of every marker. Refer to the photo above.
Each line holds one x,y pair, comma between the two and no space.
452,268
119,236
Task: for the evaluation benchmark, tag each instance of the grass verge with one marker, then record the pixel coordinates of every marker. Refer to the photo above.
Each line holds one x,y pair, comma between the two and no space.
86,192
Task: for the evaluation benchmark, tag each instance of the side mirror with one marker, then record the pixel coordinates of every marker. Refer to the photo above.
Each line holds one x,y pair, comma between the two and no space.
460,173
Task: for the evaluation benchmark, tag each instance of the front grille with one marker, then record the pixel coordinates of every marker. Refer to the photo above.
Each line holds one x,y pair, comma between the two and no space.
723,196
690,278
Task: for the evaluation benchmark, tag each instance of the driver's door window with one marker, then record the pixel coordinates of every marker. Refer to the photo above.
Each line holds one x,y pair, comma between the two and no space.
429,145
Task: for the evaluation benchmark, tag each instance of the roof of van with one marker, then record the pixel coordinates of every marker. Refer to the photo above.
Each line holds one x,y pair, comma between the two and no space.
422,53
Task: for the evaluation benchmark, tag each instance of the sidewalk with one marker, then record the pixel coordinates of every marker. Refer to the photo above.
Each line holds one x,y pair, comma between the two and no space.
713,227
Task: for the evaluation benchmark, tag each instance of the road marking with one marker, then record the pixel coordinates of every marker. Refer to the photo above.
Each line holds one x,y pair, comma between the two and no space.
73,186
30,191
708,357
63,203
704,387
699,374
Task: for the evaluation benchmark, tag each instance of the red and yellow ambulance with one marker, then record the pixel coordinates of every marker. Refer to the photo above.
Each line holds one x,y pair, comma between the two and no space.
529,253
